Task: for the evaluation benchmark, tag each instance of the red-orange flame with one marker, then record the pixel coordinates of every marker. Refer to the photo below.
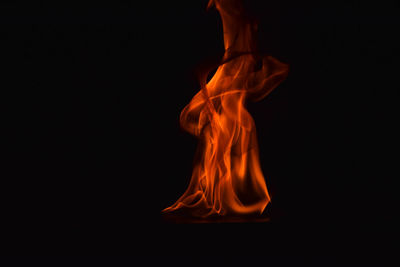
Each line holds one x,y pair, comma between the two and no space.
227,178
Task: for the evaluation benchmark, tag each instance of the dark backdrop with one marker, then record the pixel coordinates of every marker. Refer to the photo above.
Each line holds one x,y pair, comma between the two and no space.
91,100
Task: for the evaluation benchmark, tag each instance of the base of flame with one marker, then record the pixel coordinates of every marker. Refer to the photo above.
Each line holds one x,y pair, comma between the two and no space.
181,218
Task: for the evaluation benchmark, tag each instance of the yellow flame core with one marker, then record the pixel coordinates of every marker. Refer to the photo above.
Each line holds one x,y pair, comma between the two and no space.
227,178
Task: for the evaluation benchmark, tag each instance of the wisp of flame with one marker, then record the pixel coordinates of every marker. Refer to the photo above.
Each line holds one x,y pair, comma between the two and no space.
227,178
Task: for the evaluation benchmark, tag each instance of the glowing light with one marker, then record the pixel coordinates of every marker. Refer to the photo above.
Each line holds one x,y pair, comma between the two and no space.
227,179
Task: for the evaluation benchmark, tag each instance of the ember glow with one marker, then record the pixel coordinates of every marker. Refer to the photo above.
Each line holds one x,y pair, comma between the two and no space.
227,178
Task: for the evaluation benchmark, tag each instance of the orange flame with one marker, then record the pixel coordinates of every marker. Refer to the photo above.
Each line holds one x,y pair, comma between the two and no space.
227,178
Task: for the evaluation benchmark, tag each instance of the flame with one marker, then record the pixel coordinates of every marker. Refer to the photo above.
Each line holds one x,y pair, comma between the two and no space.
227,178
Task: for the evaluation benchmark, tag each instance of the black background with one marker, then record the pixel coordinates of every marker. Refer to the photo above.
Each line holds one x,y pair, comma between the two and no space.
91,97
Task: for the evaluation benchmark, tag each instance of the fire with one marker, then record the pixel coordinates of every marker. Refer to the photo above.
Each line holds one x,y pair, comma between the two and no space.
227,178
